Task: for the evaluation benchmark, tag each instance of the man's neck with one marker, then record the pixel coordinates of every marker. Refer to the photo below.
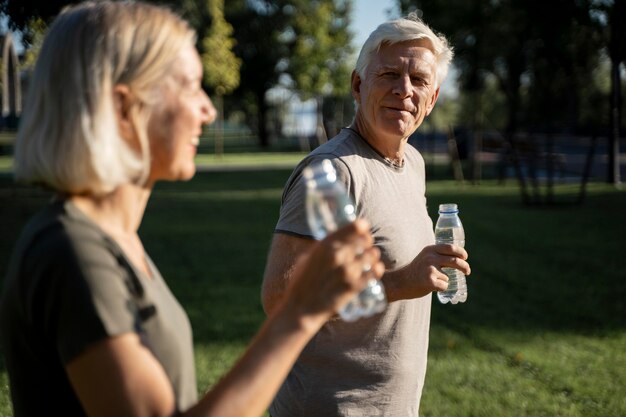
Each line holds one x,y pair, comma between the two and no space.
391,148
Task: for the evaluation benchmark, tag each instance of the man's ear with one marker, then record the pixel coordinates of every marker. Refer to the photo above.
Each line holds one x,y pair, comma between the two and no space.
355,83
431,103
122,103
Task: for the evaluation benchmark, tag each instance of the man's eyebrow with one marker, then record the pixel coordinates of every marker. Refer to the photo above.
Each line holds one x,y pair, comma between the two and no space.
387,68
423,72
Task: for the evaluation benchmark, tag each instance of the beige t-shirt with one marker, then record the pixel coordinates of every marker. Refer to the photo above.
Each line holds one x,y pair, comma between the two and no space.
374,366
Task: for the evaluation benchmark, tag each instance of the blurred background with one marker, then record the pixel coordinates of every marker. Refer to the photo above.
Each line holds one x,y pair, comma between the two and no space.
527,137
535,92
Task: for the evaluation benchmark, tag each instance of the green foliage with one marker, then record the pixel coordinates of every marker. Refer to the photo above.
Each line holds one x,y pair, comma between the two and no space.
321,55
248,46
35,30
221,66
258,29
22,12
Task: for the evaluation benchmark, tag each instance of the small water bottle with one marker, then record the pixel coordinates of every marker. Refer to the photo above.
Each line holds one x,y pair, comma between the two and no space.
328,207
450,230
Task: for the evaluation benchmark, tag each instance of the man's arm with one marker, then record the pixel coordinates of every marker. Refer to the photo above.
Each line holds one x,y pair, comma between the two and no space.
286,252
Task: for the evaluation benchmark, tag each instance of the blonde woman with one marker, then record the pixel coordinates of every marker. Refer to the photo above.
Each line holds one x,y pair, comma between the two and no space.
88,325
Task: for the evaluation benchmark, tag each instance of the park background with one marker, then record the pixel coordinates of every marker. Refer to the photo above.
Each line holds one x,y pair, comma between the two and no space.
527,138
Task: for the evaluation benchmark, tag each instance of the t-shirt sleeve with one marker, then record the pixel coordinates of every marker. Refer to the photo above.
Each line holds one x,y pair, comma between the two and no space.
292,219
81,292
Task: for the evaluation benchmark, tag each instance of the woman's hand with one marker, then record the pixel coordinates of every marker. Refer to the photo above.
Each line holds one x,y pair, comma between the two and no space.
334,271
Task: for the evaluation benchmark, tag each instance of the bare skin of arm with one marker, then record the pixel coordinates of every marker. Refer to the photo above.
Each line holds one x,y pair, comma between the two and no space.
417,279
120,377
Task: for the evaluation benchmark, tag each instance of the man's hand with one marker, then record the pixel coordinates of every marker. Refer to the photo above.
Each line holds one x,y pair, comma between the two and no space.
423,275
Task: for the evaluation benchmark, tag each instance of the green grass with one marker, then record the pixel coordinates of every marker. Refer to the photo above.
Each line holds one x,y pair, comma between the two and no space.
543,332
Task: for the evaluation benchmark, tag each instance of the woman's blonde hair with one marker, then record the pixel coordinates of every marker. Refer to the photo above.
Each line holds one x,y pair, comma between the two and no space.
402,30
68,137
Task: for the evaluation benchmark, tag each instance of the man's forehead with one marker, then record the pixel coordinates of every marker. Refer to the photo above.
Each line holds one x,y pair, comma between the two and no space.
410,45
390,53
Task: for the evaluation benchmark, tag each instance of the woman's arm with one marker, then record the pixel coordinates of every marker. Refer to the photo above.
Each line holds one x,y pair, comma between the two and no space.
120,377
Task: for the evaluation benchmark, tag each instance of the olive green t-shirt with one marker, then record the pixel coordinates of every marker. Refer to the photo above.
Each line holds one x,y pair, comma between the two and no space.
68,286
374,366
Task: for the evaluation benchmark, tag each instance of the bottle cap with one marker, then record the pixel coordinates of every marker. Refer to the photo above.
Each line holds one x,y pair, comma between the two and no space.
448,208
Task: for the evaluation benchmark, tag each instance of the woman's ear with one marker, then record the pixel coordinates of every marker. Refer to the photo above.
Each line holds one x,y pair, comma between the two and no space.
122,103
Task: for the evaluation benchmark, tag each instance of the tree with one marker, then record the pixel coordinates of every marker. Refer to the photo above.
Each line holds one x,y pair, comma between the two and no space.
21,12
221,66
320,51
35,32
539,51
617,51
259,26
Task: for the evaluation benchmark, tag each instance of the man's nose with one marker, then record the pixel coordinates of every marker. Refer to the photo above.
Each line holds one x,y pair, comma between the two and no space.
403,87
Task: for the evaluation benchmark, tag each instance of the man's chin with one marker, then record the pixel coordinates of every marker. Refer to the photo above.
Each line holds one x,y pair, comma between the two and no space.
400,128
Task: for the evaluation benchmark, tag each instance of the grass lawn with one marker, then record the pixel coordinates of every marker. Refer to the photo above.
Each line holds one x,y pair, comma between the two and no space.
543,332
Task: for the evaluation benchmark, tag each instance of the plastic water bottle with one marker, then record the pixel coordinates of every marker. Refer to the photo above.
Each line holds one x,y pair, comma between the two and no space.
449,229
328,207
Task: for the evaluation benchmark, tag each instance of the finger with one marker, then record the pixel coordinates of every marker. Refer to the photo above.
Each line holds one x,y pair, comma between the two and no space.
440,281
450,249
369,257
456,263
378,269
349,242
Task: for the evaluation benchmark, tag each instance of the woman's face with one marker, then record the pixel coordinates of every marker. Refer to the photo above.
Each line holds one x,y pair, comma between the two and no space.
175,125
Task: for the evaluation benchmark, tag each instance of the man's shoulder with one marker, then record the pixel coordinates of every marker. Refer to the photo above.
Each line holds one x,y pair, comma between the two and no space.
344,144
348,150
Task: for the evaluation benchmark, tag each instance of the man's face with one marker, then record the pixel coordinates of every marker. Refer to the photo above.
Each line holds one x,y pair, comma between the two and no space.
397,90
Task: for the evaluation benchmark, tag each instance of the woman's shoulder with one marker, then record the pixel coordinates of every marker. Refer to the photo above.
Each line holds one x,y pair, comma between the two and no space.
60,236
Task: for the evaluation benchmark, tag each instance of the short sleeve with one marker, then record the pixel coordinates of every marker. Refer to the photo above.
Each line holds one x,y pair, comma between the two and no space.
80,290
292,219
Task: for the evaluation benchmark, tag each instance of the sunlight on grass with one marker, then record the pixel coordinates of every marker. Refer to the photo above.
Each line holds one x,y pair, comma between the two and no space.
6,164
251,159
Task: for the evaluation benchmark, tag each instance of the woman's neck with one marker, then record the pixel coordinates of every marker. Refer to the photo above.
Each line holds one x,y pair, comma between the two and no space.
119,212
119,215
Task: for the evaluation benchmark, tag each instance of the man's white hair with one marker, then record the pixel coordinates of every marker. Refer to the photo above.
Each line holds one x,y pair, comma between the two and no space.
402,30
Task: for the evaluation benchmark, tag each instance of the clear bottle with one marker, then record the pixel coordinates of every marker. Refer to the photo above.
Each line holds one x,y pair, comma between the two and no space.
449,229
328,207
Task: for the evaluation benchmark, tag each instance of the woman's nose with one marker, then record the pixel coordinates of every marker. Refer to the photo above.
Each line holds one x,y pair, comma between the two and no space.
209,114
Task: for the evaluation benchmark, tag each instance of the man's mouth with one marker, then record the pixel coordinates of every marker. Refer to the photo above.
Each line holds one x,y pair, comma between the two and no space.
402,109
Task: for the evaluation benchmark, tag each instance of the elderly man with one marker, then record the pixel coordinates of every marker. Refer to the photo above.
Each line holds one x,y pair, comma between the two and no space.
375,366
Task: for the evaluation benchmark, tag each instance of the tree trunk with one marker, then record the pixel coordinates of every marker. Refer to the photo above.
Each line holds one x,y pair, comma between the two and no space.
320,131
219,126
617,53
262,123
613,173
